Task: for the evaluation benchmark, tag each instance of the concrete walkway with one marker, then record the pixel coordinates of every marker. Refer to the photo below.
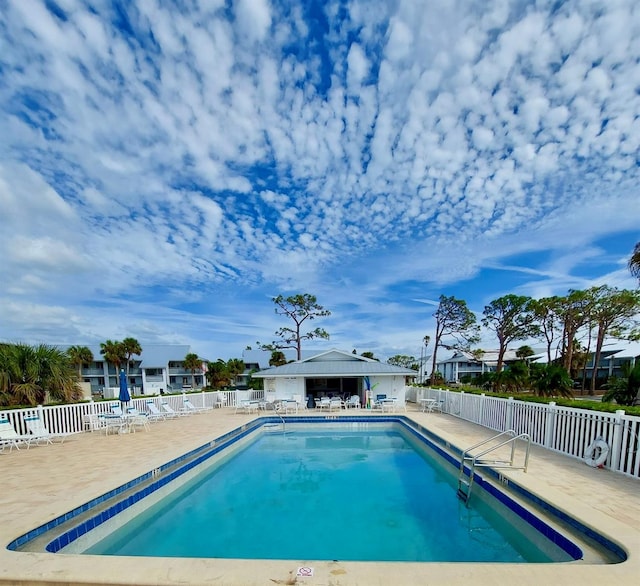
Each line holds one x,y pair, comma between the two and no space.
47,481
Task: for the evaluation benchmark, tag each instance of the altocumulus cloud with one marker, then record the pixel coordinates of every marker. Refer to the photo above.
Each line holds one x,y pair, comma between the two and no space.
274,144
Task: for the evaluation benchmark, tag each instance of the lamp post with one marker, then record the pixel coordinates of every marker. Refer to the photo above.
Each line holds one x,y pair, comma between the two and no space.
426,341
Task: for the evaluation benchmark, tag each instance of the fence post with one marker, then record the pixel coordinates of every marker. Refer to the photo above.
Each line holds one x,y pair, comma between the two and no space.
549,424
483,399
616,440
509,417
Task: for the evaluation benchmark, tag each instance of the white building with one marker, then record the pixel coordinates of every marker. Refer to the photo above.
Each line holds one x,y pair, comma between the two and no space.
159,369
335,373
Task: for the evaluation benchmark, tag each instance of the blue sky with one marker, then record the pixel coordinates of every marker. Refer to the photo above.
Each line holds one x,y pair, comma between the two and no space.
166,168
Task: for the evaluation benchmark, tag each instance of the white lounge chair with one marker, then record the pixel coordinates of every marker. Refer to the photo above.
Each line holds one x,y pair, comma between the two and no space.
189,407
246,406
378,402
9,436
153,413
389,404
39,430
169,410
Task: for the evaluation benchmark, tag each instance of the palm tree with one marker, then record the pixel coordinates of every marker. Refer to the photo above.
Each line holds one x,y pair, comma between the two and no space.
193,363
114,353
217,373
277,358
634,261
236,367
32,374
79,355
130,346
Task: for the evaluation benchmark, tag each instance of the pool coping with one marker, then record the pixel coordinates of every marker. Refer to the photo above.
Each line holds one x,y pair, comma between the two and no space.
39,568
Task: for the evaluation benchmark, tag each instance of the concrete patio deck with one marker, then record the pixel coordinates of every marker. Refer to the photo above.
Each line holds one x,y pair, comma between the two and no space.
45,482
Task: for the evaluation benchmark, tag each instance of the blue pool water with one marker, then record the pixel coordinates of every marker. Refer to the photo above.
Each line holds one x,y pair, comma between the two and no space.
327,493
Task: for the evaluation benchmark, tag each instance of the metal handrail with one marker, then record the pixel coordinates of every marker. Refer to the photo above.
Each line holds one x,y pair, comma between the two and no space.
477,462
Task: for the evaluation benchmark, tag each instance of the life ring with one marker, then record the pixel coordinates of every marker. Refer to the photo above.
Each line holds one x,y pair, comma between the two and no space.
596,453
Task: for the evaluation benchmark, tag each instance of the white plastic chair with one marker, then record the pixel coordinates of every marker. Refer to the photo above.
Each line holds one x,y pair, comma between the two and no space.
39,430
135,419
353,402
335,403
9,436
324,403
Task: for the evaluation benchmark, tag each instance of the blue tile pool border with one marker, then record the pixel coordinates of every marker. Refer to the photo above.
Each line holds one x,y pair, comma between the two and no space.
199,455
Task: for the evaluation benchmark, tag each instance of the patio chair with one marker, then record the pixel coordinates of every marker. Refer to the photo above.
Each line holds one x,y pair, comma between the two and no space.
37,427
91,422
170,411
221,400
113,422
289,406
324,403
353,402
153,413
116,409
247,406
377,403
189,407
388,404
335,403
9,436
135,420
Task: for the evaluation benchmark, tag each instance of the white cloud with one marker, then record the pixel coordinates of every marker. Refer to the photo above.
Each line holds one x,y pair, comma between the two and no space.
212,150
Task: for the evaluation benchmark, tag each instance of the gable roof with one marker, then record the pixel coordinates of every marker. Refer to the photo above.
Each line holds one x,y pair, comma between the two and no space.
335,363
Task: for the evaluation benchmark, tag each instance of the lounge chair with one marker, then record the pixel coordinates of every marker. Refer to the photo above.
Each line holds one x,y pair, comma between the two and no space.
189,407
388,404
153,413
353,402
247,406
335,403
39,430
170,411
377,403
9,436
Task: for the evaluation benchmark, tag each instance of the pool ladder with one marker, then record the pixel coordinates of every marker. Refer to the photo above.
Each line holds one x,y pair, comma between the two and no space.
465,484
272,425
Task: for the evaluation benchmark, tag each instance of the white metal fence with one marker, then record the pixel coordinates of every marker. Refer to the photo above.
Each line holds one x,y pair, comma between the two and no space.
563,429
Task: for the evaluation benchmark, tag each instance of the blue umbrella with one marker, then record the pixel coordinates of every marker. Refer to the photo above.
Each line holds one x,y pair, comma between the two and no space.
124,389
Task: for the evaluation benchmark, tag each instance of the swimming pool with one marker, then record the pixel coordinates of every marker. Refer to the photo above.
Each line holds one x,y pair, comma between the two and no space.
356,501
